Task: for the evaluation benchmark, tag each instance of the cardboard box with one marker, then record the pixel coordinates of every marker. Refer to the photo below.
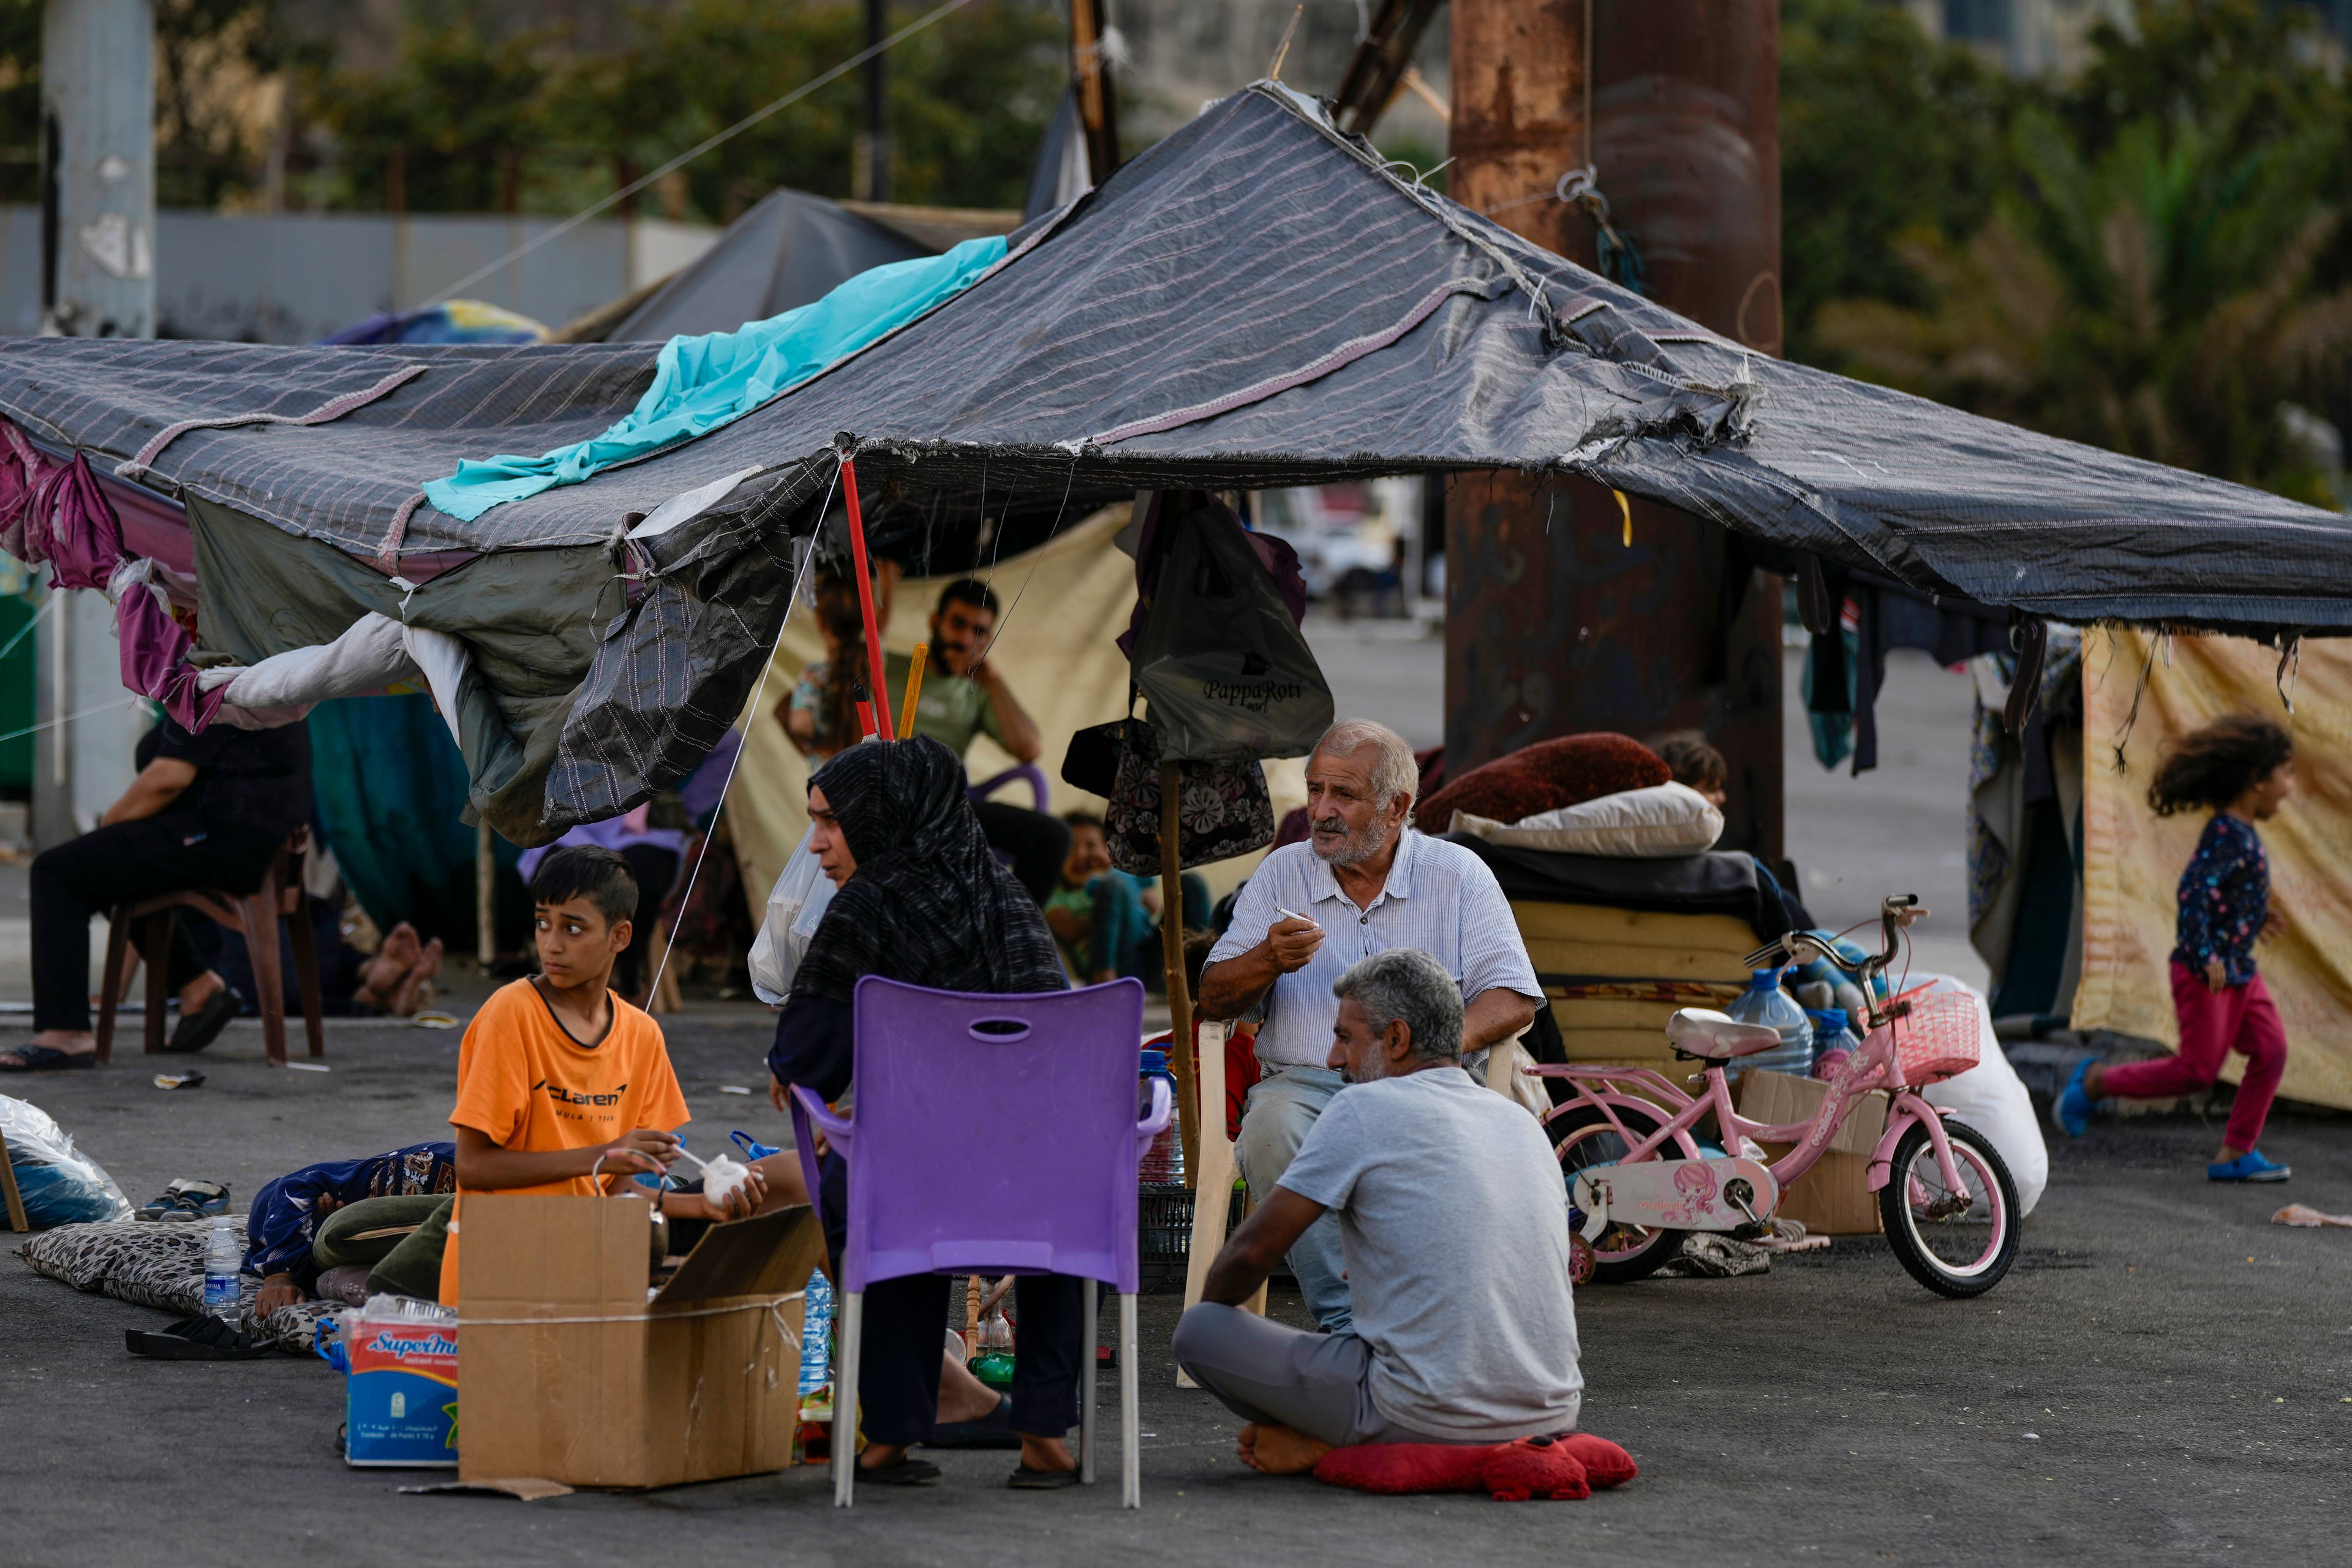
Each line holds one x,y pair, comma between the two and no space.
569,1371
1831,1200
399,1402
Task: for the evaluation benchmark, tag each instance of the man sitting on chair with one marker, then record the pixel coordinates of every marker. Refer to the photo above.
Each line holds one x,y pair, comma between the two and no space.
1454,1223
207,810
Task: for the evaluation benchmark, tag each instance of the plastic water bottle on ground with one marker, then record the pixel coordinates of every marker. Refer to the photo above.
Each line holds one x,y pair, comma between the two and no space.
1765,1003
224,1261
1163,1162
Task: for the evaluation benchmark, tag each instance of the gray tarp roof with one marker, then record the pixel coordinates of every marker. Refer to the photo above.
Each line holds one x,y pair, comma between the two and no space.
1256,301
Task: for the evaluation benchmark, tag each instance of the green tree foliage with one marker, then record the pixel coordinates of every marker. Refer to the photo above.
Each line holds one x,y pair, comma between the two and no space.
2156,273
1883,130
470,121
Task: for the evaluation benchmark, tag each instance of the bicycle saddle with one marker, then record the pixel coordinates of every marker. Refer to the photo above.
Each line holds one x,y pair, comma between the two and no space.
1713,1037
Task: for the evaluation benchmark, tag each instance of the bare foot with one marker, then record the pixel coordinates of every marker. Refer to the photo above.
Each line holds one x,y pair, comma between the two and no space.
1271,1450
1045,1454
401,945
416,987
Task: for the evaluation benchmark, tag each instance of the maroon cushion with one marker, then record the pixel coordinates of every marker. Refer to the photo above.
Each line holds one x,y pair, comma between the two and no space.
1546,776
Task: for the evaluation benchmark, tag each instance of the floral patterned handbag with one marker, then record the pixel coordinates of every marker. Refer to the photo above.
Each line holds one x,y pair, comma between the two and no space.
1223,809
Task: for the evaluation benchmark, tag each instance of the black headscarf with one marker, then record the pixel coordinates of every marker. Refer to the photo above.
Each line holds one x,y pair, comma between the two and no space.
929,903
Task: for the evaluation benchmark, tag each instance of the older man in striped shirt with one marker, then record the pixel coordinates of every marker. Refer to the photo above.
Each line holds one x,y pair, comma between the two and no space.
1364,882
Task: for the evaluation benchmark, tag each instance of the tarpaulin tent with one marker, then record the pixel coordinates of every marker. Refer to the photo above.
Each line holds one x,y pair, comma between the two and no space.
2137,700
1256,301
789,249
1065,602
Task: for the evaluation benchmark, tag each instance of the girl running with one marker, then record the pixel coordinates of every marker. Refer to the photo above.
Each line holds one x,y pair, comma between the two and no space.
2242,768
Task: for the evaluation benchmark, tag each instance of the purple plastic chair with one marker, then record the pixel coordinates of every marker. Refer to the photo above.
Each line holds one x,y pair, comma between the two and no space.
991,1134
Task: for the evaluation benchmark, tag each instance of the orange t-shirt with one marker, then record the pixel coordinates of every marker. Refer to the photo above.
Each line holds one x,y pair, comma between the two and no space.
524,1083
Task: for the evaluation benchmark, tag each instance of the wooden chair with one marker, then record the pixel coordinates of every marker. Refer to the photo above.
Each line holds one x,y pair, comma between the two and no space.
16,1221
254,916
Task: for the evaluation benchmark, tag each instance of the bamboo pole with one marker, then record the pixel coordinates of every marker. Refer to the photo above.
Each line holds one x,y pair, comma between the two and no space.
485,898
1180,999
914,686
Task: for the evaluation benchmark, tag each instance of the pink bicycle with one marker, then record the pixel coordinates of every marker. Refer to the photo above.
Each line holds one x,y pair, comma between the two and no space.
1945,1197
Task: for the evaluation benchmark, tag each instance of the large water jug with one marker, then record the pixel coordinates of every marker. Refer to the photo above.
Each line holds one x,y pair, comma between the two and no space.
1765,1003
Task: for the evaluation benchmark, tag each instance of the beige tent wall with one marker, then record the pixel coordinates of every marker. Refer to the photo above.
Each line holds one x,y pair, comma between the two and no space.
2133,858
1066,604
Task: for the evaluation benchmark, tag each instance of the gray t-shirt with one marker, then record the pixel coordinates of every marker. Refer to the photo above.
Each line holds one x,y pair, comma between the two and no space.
1455,1222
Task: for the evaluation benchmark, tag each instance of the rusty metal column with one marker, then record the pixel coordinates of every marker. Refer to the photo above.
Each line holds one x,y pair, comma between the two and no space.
1554,624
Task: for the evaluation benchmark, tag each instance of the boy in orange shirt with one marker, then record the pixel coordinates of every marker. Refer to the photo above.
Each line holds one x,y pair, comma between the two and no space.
562,1087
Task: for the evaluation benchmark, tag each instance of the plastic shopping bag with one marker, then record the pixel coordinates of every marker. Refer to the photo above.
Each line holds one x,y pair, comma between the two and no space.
58,1185
1227,672
795,906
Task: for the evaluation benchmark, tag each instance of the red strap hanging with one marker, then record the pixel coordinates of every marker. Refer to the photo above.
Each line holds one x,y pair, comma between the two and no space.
878,716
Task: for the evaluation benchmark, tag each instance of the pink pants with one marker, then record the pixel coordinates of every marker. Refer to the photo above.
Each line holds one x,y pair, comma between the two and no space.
2213,1024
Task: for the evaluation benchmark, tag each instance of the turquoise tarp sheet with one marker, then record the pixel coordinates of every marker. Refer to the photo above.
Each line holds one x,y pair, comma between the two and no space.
701,384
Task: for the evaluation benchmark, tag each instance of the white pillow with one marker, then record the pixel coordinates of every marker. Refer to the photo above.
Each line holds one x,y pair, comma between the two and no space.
1652,823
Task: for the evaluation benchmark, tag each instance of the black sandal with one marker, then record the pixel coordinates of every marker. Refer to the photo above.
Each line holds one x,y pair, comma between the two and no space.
901,1471
1024,1480
47,1058
201,1028
994,1430
194,1339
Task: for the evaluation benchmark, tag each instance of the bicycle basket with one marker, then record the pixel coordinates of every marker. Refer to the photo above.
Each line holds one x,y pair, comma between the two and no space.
1939,1039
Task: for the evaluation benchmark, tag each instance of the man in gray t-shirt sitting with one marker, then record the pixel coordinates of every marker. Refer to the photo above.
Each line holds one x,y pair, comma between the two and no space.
1454,1221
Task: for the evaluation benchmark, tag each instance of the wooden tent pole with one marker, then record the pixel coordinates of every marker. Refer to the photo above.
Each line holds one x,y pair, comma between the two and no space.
1179,998
17,1220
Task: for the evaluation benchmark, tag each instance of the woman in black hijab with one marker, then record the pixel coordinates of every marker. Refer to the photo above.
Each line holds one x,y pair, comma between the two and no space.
920,898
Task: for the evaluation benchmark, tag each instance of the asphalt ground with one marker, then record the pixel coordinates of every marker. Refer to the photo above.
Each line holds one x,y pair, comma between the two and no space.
2163,1377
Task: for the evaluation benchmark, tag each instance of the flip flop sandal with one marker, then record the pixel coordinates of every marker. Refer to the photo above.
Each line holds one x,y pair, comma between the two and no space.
194,1339
47,1058
994,1430
901,1471
201,1028
1024,1480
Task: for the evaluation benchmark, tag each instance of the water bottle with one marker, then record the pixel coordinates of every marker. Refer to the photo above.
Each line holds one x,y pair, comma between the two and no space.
1163,1162
1765,1003
224,1261
1833,1040
816,1336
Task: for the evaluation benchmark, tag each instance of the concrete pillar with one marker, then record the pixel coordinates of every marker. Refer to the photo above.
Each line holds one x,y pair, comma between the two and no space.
1555,625
97,109
98,280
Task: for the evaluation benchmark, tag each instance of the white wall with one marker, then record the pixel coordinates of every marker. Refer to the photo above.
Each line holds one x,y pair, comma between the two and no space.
291,277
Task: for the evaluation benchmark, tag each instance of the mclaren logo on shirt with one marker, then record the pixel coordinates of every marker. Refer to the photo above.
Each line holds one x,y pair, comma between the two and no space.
562,1096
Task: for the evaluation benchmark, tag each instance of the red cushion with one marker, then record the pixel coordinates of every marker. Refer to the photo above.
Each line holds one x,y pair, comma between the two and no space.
1546,776
1404,1467
1604,1462
1534,1468
1509,1472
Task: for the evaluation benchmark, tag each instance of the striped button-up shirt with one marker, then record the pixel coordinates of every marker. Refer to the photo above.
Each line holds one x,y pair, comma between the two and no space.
1439,898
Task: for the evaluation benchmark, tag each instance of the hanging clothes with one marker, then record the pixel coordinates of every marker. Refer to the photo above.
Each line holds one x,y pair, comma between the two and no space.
2025,832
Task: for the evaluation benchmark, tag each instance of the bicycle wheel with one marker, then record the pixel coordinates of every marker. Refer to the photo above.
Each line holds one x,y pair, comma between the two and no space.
1583,1139
1957,1243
